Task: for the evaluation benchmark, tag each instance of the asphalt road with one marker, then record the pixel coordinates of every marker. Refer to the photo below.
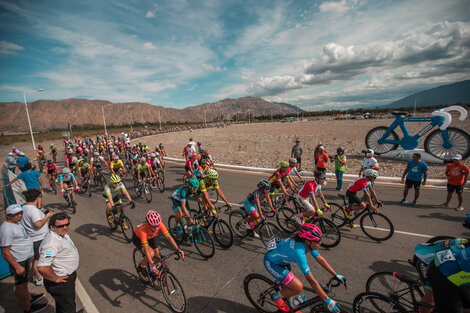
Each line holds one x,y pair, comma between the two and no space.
216,285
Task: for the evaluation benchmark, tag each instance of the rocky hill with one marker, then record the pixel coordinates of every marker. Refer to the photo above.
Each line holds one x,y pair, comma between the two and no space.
49,114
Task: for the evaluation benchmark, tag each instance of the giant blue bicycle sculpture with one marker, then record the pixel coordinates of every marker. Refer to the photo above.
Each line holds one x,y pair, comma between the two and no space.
442,143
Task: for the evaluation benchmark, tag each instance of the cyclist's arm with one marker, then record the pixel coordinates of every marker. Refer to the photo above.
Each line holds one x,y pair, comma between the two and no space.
206,200
316,286
258,205
322,196
324,263
292,182
124,191
185,210
404,174
315,202
40,181
300,177
425,176
221,195
171,240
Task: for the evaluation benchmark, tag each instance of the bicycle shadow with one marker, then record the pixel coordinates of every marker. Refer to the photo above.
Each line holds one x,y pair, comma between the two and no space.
192,253
400,266
216,305
443,216
356,236
61,206
93,231
242,243
128,284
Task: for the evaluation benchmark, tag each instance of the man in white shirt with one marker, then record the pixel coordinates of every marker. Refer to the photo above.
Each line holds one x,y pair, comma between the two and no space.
58,263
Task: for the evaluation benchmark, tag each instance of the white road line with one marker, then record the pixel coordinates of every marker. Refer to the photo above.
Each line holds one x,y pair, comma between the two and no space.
88,305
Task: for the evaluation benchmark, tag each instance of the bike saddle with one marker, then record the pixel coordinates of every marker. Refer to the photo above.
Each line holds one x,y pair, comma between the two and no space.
406,279
396,113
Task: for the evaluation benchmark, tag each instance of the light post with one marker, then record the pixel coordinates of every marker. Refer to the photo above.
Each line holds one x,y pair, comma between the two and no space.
414,113
104,120
29,121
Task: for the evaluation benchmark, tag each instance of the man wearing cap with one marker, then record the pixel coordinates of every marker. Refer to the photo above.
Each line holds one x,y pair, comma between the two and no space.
22,160
58,263
32,180
296,153
317,149
322,160
11,162
457,175
17,250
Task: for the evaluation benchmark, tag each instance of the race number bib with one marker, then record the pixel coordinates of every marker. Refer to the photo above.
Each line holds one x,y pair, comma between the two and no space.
271,244
444,256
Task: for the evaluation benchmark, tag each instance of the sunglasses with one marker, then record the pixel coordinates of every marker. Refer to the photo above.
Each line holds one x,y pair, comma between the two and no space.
62,226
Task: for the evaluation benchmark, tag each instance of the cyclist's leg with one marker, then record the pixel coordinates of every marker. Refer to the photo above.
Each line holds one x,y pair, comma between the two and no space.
307,206
292,285
355,202
251,210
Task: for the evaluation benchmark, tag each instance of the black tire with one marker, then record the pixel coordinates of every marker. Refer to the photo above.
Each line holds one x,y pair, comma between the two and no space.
173,292
259,289
102,181
337,215
171,228
127,228
375,134
237,223
161,175
185,180
387,284
147,193
459,138
439,238
213,195
203,241
375,302
376,226
138,256
72,204
137,190
285,218
160,182
113,225
268,231
89,188
222,233
330,233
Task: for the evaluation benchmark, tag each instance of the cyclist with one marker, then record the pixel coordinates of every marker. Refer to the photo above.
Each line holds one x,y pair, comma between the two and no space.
369,161
191,165
206,184
208,158
294,250
67,180
52,171
96,162
362,183
162,149
308,191
111,194
293,168
53,152
252,203
144,238
155,163
41,157
180,198
84,170
201,170
278,178
117,167
143,169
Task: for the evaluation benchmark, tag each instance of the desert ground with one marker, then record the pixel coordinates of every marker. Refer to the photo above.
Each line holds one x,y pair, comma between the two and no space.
266,144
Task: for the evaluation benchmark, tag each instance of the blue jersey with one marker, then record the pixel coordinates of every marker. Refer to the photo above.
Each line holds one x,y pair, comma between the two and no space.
289,251
67,180
181,194
416,170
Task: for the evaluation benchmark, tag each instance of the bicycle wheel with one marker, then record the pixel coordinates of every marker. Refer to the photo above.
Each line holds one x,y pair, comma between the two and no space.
147,193
203,241
375,302
337,215
138,256
161,175
127,228
387,284
137,189
72,204
373,136
112,225
267,231
266,209
222,233
238,225
89,188
161,182
258,290
173,292
434,144
285,217
213,195
376,226
176,234
102,181
330,233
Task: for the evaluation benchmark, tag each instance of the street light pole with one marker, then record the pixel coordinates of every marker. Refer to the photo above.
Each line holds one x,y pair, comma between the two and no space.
29,121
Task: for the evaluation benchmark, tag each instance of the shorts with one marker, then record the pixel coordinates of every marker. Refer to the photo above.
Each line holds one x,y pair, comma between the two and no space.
36,245
50,172
249,207
282,274
21,279
187,168
38,189
353,198
175,204
152,242
321,169
457,188
299,159
305,203
412,183
273,188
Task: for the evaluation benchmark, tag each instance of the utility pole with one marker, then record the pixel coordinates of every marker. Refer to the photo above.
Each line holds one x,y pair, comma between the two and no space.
160,120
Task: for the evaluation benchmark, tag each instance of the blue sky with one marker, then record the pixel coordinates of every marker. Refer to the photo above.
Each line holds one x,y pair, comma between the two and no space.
314,54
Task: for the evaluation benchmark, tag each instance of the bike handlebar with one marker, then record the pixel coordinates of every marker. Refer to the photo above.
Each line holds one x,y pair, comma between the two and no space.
447,117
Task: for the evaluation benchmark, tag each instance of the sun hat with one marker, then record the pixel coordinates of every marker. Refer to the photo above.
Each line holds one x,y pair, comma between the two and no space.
457,157
14,209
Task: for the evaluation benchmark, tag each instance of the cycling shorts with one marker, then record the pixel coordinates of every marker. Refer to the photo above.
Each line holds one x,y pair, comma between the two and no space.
152,242
116,199
175,204
282,274
416,184
353,198
249,207
273,188
50,172
187,169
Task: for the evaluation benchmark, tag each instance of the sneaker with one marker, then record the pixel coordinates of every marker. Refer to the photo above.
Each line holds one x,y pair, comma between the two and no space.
348,216
298,220
245,226
142,270
413,203
403,201
445,205
38,282
110,219
36,308
352,225
281,304
35,298
460,208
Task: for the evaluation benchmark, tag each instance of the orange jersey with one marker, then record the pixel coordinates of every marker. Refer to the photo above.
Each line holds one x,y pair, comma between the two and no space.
144,232
457,173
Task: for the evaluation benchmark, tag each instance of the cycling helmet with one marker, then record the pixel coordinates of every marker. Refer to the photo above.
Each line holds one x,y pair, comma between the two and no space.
318,174
264,184
203,162
212,174
152,155
115,157
310,232
340,149
96,153
143,159
371,173
283,164
115,179
193,183
49,161
369,153
153,218
292,161
66,170
80,162
21,153
160,145
157,154
321,148
193,157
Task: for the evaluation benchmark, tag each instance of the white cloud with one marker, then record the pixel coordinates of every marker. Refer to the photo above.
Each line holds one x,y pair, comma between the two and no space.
210,68
334,6
149,46
9,48
151,13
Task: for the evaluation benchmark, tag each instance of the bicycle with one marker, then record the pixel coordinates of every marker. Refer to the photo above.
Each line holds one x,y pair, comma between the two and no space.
259,290
158,182
196,234
98,178
52,183
119,218
442,143
242,229
213,195
143,187
331,236
70,202
220,229
169,285
372,224
87,188
376,302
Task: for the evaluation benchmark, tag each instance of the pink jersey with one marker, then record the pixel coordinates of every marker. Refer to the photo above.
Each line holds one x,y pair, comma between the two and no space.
310,187
51,167
359,184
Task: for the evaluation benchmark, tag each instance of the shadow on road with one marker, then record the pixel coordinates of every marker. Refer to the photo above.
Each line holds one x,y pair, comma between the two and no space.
215,305
400,266
443,216
58,206
92,231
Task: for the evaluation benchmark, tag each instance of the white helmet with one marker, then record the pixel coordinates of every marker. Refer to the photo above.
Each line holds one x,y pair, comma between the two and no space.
152,155
371,173
369,153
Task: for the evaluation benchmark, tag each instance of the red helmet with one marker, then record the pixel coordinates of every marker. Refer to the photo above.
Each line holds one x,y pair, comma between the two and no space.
193,157
310,232
153,218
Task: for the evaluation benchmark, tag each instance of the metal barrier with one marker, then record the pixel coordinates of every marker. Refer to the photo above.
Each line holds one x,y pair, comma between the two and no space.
8,196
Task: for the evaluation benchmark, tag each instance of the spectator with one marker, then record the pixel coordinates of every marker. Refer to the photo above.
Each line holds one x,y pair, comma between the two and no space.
296,153
22,161
317,149
369,161
17,250
322,159
11,162
35,223
58,263
457,175
340,167
32,180
200,149
417,171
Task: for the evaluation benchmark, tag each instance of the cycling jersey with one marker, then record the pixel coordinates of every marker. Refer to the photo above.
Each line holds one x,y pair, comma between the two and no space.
110,189
51,168
84,168
190,163
97,160
67,179
273,179
181,194
144,232
370,163
204,185
142,167
310,187
255,194
153,162
116,164
359,184
200,171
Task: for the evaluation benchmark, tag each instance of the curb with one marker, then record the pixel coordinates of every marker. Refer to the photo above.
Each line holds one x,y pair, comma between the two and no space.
384,179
